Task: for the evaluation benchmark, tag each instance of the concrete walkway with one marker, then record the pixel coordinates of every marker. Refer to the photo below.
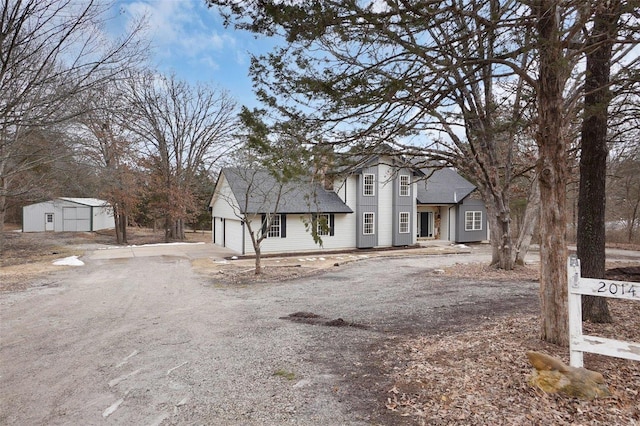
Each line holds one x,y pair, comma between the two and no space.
188,250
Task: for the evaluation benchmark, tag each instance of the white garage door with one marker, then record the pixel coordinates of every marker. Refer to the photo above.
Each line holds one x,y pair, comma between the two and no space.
76,218
233,234
218,231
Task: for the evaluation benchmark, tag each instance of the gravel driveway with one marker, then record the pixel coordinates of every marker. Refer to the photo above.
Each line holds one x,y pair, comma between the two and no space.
147,341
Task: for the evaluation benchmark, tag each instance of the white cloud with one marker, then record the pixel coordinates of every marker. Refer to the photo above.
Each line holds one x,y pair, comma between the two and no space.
180,28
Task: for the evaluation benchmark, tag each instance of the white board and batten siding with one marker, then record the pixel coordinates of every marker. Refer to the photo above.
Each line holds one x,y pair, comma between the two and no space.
385,205
580,343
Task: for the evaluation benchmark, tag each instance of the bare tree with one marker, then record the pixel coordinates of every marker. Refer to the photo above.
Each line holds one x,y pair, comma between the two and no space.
110,150
182,129
396,71
455,73
50,51
623,190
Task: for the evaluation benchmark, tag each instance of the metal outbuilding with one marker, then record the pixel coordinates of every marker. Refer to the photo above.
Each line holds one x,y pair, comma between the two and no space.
68,214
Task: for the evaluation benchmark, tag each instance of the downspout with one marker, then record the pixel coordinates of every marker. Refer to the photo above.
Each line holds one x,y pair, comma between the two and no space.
91,220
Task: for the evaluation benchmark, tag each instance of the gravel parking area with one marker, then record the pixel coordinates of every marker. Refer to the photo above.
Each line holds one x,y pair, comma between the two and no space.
180,335
146,340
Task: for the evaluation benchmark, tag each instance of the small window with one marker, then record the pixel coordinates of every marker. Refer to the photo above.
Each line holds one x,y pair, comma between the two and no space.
323,224
404,223
404,186
368,188
473,221
274,230
49,217
368,224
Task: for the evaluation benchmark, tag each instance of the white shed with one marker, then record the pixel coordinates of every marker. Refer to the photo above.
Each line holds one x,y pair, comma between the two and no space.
68,214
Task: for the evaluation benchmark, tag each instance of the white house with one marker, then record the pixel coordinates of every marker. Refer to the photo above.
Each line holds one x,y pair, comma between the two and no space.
67,214
382,203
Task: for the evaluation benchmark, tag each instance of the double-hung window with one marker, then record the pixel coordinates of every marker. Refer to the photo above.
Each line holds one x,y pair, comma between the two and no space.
368,184
404,186
275,228
403,224
368,223
473,221
323,224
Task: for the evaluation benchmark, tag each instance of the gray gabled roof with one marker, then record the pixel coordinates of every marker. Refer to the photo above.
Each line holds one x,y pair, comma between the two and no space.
257,192
443,186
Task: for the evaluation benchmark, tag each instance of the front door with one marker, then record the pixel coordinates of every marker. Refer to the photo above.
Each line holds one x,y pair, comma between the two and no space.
48,222
426,224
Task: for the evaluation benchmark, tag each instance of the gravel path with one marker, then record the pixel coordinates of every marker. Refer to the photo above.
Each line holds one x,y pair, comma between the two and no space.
148,341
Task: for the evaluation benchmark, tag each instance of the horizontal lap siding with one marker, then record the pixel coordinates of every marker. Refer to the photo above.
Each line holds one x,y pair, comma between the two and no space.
225,204
299,238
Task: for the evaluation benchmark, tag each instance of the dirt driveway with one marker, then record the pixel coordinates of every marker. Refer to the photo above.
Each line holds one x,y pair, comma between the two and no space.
146,340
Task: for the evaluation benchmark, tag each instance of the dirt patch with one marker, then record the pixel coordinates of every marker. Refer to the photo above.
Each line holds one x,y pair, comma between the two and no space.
314,319
629,273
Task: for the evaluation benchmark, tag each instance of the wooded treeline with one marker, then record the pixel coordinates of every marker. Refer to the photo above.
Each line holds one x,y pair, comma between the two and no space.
83,115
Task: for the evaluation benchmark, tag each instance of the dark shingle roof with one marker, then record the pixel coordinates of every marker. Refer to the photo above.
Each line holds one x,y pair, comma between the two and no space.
262,190
443,186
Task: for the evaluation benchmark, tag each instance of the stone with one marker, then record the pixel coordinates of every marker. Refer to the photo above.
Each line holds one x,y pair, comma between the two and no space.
553,376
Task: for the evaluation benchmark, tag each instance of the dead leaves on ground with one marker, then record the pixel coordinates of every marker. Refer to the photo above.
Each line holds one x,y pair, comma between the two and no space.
479,377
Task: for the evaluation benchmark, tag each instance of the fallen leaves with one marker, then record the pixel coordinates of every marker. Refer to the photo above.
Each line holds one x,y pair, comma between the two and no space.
480,376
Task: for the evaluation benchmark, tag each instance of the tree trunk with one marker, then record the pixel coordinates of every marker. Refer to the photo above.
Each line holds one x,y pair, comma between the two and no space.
529,223
499,220
168,224
3,211
118,224
258,270
551,168
632,224
593,157
125,224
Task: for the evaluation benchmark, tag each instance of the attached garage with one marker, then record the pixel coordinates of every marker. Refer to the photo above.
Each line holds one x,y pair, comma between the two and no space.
68,214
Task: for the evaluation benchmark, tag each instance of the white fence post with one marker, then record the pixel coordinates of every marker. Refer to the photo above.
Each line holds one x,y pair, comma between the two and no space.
580,343
575,312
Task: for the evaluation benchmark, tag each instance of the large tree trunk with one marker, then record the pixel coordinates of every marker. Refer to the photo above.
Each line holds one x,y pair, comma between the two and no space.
551,169
593,157
529,223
